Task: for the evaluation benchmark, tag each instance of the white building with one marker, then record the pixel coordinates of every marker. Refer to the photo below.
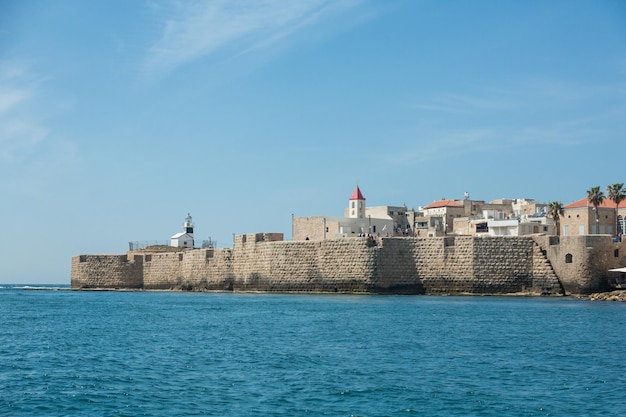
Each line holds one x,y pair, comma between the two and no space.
508,227
184,239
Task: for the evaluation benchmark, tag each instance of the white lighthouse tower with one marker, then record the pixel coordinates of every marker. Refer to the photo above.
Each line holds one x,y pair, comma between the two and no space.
184,239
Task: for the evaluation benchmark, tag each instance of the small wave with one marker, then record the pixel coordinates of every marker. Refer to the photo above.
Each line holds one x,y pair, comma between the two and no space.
33,287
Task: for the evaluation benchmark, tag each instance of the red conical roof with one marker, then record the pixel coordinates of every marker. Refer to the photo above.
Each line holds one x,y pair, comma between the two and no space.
356,195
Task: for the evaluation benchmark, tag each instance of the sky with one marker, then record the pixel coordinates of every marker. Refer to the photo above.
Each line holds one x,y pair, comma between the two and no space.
117,118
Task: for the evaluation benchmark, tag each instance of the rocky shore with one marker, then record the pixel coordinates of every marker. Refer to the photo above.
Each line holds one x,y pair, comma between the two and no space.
619,295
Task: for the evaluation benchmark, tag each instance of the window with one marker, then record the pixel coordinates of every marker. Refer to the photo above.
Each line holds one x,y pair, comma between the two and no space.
581,229
568,258
565,230
374,229
616,253
353,206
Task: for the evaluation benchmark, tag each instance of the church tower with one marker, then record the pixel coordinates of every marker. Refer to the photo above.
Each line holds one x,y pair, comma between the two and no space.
356,208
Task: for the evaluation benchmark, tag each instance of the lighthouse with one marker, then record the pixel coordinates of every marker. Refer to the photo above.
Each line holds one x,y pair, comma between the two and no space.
188,225
184,239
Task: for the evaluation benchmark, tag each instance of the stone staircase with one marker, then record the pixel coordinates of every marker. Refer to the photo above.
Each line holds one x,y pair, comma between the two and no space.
545,280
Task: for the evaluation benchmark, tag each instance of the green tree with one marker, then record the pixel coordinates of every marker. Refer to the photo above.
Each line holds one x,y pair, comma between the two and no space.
596,197
555,211
616,194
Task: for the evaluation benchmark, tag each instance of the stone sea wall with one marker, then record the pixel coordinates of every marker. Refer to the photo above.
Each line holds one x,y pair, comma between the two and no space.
451,265
107,271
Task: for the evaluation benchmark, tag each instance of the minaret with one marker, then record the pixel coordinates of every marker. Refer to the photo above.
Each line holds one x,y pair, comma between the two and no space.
357,205
188,226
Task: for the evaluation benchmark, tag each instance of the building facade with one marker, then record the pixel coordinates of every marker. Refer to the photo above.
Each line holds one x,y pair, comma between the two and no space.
579,218
357,222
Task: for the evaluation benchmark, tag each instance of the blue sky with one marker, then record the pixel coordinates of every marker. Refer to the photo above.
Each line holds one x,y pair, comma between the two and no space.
119,117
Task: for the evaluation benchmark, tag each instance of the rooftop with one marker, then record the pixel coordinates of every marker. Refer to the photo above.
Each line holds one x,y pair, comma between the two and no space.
444,203
356,195
584,202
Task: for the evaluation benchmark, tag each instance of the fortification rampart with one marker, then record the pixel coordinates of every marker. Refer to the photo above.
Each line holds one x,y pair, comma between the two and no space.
582,262
462,264
107,271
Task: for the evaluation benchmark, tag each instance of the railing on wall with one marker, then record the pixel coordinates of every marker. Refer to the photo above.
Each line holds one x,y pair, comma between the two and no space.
147,244
209,244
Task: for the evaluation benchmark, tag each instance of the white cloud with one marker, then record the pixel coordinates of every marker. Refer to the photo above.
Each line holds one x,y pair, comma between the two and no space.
25,137
464,104
440,144
539,113
194,30
19,130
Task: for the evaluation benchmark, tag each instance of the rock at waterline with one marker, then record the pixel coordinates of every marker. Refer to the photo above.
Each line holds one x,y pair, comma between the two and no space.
619,295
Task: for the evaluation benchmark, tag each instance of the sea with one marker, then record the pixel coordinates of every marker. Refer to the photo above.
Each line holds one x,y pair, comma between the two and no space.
100,353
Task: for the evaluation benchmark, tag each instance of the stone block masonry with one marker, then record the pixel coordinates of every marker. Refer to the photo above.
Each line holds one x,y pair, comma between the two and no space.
107,271
398,265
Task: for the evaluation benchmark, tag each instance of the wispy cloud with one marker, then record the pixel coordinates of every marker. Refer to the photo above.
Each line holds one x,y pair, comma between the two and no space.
193,30
538,113
27,143
19,131
463,104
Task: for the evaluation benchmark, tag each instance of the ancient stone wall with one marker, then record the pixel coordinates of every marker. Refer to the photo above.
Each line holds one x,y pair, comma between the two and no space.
329,265
462,264
582,262
201,269
208,269
107,271
503,263
162,271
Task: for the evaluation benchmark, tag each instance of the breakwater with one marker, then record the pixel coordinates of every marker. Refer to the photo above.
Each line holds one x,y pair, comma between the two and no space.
538,265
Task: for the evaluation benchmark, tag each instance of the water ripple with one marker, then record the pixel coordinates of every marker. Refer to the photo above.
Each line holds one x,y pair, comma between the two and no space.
166,354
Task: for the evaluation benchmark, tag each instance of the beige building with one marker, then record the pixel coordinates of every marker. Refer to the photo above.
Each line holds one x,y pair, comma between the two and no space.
400,215
357,222
528,206
461,216
579,218
503,217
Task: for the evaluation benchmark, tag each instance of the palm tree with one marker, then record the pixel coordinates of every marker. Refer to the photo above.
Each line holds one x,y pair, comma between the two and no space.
596,197
616,194
555,211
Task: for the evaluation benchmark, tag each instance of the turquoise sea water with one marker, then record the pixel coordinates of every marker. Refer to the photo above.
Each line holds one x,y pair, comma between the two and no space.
66,353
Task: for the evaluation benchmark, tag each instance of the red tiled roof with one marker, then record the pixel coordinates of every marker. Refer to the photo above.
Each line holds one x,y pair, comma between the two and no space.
356,195
584,202
444,203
